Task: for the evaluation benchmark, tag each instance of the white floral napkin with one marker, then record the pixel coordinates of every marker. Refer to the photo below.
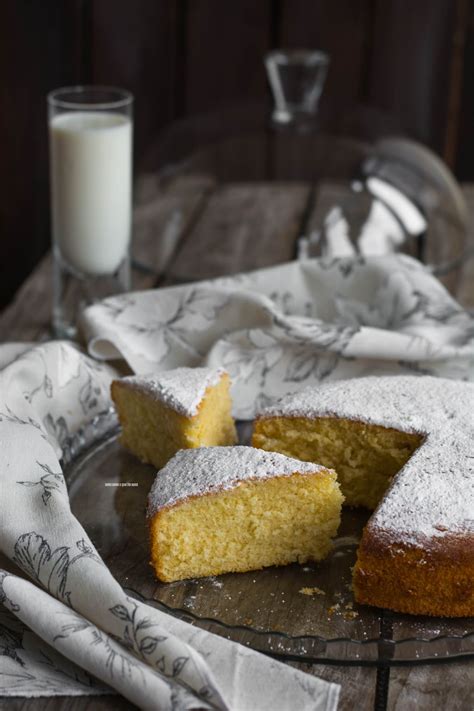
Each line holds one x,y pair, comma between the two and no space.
72,630
277,330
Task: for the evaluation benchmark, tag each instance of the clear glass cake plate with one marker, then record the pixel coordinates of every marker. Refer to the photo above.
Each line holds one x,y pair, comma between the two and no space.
298,612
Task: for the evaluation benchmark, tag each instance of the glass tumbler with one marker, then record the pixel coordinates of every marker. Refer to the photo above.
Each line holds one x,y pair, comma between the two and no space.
90,138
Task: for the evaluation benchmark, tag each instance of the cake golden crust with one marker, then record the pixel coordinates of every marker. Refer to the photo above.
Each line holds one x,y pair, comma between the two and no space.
417,550
436,580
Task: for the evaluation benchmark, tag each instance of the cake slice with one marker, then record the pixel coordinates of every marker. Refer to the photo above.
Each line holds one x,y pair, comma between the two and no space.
233,509
177,409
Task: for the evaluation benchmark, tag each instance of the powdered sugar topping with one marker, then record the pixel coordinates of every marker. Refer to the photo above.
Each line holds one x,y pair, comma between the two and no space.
433,494
181,388
194,472
408,403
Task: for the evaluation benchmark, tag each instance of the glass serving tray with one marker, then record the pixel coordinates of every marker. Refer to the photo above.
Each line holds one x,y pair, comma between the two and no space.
298,612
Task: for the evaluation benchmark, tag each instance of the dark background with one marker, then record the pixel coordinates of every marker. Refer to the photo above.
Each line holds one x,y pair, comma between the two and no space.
405,64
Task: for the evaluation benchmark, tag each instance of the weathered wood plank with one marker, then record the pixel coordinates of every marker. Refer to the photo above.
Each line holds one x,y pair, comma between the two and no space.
163,215
444,687
243,227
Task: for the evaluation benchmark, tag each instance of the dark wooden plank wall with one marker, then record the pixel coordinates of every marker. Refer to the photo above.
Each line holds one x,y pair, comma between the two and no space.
415,86
464,148
342,28
135,45
183,57
35,38
225,44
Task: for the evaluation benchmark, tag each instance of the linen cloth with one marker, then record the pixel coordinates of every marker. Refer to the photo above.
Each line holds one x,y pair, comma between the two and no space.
73,630
278,330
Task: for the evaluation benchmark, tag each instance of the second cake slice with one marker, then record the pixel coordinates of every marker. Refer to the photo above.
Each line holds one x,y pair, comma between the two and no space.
183,408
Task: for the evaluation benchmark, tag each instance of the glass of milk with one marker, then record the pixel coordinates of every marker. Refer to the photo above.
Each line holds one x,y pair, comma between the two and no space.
90,138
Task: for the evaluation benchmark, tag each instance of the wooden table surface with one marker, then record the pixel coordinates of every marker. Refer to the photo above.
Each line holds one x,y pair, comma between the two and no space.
193,229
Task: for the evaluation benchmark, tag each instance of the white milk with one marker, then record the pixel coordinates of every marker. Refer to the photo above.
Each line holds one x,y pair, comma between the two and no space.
91,188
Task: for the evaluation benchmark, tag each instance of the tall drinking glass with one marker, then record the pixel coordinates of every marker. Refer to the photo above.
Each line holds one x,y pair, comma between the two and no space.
90,136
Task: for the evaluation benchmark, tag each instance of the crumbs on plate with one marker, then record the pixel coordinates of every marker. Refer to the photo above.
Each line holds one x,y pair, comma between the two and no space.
311,591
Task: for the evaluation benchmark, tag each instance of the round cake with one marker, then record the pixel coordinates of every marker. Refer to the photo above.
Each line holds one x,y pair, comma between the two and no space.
403,445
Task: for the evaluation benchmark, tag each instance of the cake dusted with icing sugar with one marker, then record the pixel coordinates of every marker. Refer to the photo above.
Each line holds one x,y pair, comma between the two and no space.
403,445
172,410
232,509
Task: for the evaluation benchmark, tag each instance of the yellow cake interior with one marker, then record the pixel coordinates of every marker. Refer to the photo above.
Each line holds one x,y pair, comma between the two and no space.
366,457
154,432
259,523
